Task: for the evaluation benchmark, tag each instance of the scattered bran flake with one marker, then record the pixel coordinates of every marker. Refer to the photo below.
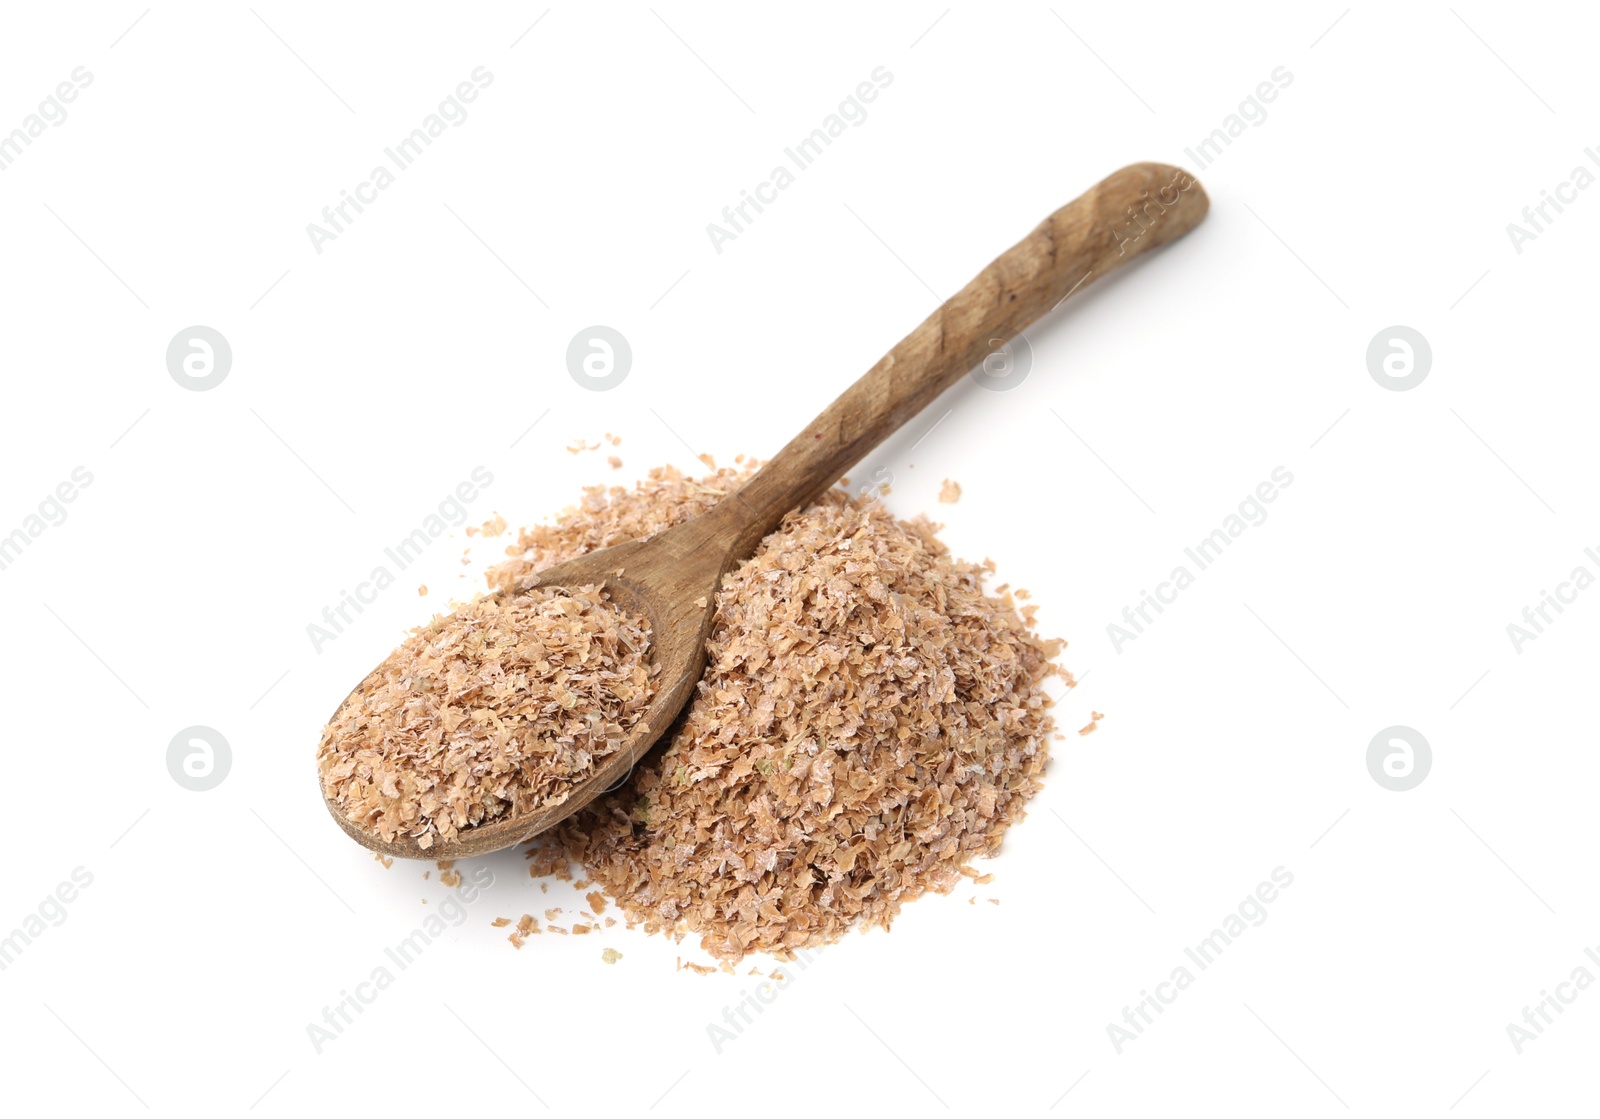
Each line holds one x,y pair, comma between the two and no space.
616,463
614,440
754,971
700,969
557,929
950,492
451,878
1094,721
494,526
870,720
611,955
983,879
385,860
472,530
527,923
544,862
422,590
596,900
444,864
580,930
992,901
972,900
427,874
502,707
581,884
552,914
500,922
516,940
610,921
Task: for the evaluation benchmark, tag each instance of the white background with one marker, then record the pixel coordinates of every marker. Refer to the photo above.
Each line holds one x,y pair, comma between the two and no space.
369,379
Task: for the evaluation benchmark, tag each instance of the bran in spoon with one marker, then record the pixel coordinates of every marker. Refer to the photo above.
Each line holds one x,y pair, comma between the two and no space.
502,706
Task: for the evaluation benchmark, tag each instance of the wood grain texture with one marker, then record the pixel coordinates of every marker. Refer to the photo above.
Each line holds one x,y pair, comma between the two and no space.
668,577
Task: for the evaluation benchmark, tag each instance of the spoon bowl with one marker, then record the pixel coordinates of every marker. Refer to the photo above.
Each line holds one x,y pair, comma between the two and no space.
671,580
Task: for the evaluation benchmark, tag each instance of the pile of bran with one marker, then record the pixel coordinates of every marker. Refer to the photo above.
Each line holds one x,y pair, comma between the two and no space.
869,722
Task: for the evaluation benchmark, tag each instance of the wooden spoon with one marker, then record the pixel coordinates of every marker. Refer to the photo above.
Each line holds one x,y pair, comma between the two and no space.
672,578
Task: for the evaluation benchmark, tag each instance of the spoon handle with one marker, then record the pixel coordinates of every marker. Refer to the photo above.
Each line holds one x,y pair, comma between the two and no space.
1127,214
